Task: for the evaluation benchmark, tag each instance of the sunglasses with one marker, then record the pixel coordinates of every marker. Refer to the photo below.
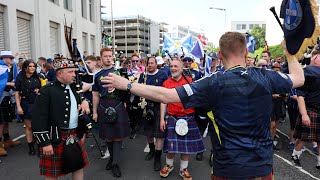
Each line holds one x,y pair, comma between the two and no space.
135,61
31,66
190,60
264,66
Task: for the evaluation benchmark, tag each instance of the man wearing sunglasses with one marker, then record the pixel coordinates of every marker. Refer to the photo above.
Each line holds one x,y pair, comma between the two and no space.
308,123
189,71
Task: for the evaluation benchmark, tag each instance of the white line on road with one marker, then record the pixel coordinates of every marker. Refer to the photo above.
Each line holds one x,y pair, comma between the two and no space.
302,170
306,149
19,137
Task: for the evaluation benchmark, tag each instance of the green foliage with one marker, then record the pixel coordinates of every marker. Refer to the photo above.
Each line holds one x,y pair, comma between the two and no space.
276,51
259,33
211,48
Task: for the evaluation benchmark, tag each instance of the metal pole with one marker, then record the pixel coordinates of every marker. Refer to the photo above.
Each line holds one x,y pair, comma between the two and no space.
112,30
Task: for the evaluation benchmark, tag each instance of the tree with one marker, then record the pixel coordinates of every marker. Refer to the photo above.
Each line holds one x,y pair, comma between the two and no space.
211,48
259,33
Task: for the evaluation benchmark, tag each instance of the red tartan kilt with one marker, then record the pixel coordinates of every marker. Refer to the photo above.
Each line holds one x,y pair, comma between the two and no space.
308,133
52,165
267,177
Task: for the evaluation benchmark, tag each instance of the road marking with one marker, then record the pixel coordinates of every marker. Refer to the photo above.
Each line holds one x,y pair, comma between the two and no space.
304,149
302,170
19,137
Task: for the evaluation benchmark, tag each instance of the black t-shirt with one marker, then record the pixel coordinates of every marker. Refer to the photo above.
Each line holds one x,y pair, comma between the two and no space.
27,87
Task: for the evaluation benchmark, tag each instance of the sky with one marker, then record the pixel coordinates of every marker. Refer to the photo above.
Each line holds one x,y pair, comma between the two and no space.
193,13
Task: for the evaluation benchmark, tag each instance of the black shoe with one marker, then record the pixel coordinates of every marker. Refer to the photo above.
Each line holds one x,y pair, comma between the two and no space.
150,155
157,165
296,161
109,165
318,166
116,171
199,156
32,151
133,134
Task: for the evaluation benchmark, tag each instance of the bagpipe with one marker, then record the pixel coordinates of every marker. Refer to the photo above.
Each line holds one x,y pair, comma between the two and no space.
77,59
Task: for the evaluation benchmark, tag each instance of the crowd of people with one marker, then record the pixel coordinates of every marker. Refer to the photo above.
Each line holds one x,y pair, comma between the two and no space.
171,101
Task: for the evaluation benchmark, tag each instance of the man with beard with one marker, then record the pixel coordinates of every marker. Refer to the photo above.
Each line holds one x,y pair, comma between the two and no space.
190,143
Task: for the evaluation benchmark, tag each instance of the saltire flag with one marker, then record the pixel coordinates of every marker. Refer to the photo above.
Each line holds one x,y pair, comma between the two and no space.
174,45
4,72
186,43
203,39
197,49
207,66
251,43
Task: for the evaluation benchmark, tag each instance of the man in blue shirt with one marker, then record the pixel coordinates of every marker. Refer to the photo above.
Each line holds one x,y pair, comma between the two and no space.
240,99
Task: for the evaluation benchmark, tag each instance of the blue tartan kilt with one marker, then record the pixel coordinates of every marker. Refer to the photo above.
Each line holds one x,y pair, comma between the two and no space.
191,143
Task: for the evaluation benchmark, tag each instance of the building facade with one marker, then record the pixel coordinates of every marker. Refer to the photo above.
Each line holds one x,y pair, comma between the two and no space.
135,34
178,32
246,26
36,27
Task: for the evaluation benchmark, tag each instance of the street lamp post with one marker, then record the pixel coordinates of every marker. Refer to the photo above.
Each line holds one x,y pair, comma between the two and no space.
225,14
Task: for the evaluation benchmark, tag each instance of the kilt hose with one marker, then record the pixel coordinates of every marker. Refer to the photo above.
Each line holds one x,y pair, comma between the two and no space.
52,165
308,133
191,143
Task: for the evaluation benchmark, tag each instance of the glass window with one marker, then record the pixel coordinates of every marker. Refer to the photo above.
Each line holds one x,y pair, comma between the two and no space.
243,26
238,26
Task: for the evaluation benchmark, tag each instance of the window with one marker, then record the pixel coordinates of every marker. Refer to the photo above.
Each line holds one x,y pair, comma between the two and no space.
251,26
243,26
67,4
93,44
85,41
263,25
2,37
91,10
24,33
54,38
238,26
84,8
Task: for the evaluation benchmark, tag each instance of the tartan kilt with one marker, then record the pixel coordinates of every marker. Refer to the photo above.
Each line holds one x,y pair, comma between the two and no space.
305,133
267,177
191,143
118,129
152,127
52,165
5,109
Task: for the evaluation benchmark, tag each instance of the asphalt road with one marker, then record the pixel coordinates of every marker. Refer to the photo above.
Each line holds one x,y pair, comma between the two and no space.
19,165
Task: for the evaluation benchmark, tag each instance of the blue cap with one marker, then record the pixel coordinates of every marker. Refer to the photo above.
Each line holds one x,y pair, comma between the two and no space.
214,56
49,60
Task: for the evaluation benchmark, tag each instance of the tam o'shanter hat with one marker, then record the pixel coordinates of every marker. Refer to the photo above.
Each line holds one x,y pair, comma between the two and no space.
300,25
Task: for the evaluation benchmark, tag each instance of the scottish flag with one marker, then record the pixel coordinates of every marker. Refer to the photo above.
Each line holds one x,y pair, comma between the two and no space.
3,76
174,45
251,43
207,66
197,49
186,43
168,43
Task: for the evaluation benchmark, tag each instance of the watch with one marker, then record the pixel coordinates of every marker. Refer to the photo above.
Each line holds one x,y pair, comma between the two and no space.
129,86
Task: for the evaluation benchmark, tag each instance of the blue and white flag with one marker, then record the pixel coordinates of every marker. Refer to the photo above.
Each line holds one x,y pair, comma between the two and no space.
207,66
197,49
168,43
173,45
186,43
251,43
3,76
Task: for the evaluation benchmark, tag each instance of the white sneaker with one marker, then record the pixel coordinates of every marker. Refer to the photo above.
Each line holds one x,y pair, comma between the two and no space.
106,154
